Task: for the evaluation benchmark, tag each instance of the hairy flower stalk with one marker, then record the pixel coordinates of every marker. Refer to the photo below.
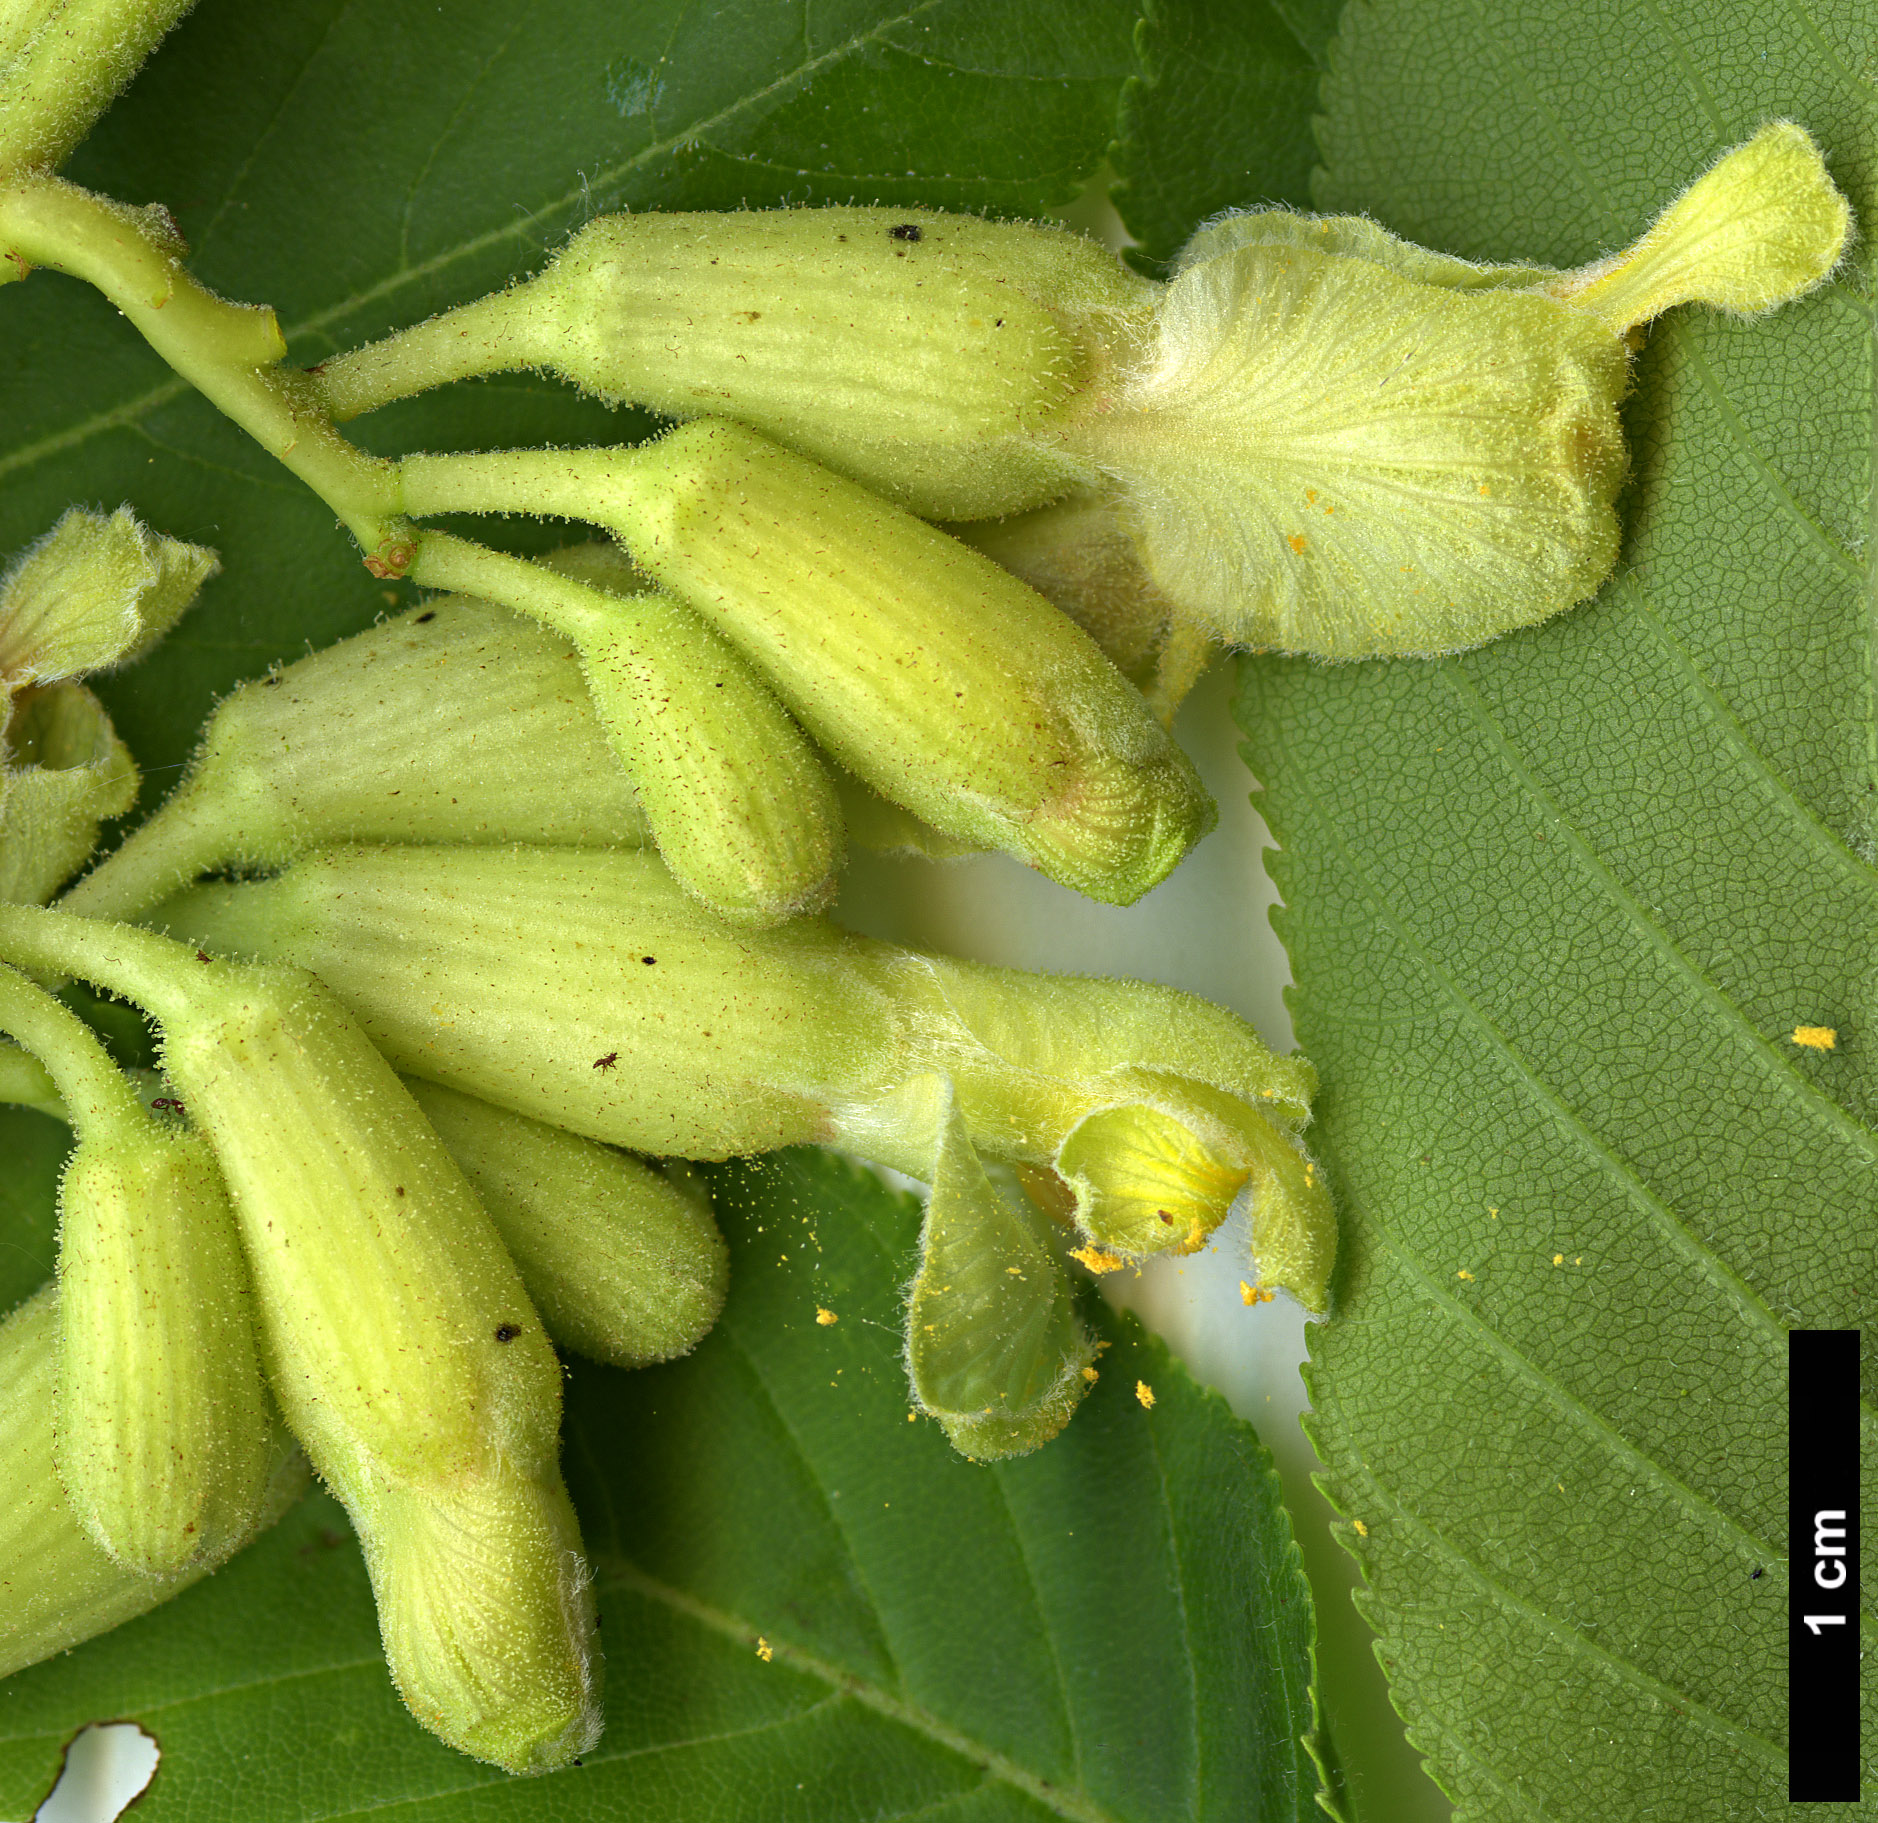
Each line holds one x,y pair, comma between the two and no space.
1321,438
165,1442
511,976
395,1332
58,1587
943,682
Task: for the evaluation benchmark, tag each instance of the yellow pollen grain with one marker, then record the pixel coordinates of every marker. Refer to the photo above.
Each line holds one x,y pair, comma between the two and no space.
1485,489
764,1651
1465,1274
1558,1259
1296,542
1096,1260
825,1317
1362,1531
1253,1294
1310,496
1145,1393
1090,1374
1816,1037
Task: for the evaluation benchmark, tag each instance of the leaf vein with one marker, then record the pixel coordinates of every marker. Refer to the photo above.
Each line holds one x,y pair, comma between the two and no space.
1798,1089
1572,1124
1077,1806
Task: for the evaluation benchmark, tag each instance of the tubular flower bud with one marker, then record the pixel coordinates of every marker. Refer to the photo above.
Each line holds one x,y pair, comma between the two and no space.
938,678
57,1587
1321,438
486,1609
921,354
164,1436
454,722
623,1266
507,976
395,1331
740,807
164,1440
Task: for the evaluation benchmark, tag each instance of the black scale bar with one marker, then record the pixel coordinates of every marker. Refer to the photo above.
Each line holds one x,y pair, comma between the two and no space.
1822,1532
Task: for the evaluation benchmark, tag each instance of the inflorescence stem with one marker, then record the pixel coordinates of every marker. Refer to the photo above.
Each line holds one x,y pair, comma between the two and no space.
231,353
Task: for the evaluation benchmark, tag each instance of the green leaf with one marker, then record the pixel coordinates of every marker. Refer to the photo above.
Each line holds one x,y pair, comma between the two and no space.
1220,116
360,168
1114,1628
1556,909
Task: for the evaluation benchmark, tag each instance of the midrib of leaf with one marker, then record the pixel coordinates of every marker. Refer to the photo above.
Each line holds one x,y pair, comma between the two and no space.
1195,1781
1049,1632
375,1664
892,1266
1075,1806
416,185
835,1521
1521,84
267,132
1601,1431
1679,54
1871,551
518,228
1825,50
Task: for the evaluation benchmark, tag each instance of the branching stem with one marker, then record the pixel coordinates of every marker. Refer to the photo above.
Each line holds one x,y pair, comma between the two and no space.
230,352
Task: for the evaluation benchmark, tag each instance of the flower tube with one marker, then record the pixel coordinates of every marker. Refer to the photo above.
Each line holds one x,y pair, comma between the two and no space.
511,976
396,1334
1320,438
164,1439
946,684
58,1586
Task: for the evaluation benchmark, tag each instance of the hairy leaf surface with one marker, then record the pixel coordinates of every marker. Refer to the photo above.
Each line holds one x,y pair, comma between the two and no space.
1556,910
1220,116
